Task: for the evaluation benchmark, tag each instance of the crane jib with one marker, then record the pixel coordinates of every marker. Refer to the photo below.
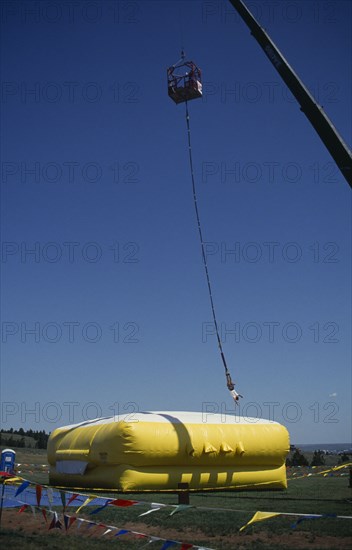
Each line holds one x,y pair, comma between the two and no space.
313,111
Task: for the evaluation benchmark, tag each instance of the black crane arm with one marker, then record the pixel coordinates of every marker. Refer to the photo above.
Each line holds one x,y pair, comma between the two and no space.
313,111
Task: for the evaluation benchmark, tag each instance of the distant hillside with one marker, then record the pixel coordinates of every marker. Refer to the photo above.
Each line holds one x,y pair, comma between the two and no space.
24,439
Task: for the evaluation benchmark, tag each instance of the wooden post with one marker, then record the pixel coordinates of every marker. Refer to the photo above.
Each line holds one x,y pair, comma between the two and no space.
350,484
183,496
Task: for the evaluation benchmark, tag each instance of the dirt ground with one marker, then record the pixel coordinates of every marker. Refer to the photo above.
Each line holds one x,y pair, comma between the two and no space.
35,525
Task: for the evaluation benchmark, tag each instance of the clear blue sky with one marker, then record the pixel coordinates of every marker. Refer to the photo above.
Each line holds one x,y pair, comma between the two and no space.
95,181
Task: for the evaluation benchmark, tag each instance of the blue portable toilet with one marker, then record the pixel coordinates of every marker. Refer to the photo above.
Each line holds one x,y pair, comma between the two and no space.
7,462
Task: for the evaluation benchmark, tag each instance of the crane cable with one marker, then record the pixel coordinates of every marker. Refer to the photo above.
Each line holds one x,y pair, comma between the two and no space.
229,383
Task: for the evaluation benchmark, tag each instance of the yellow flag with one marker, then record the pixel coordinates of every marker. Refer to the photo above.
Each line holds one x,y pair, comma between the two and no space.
260,516
348,465
87,501
326,472
13,479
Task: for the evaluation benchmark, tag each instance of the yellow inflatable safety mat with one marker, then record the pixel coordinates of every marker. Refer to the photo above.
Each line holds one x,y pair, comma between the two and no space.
155,451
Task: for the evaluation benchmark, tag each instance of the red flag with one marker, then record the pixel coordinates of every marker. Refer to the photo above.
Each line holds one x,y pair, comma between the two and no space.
38,491
123,502
71,499
52,524
44,515
23,508
72,520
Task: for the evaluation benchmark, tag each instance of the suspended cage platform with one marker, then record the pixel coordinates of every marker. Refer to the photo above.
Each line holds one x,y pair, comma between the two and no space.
184,81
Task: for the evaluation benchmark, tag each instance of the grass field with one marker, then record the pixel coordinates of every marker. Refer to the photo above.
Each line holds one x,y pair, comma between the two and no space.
218,529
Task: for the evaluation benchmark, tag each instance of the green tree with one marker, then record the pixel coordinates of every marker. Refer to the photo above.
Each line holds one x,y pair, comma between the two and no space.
318,458
344,457
298,459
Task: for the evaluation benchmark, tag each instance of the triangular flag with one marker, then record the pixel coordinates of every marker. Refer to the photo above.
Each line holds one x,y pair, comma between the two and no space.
23,508
72,520
123,502
294,525
71,499
44,515
106,532
167,544
38,492
63,499
55,523
100,508
260,516
66,522
87,501
22,487
180,508
122,532
149,512
50,496
10,478
186,546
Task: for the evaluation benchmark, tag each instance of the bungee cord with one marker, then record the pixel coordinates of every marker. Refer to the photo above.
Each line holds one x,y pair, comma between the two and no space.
229,383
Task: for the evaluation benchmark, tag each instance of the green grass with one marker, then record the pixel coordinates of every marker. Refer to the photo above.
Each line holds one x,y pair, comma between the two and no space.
217,528
309,495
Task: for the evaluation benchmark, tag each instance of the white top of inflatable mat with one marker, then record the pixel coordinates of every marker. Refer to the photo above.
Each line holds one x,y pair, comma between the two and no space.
174,417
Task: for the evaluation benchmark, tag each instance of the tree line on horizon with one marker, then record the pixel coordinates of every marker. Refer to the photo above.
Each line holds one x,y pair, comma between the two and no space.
40,438
298,458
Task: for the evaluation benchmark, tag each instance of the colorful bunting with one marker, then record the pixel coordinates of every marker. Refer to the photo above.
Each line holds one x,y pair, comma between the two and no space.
107,529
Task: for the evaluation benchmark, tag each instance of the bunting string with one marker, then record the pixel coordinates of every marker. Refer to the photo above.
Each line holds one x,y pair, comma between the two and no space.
101,528
24,494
